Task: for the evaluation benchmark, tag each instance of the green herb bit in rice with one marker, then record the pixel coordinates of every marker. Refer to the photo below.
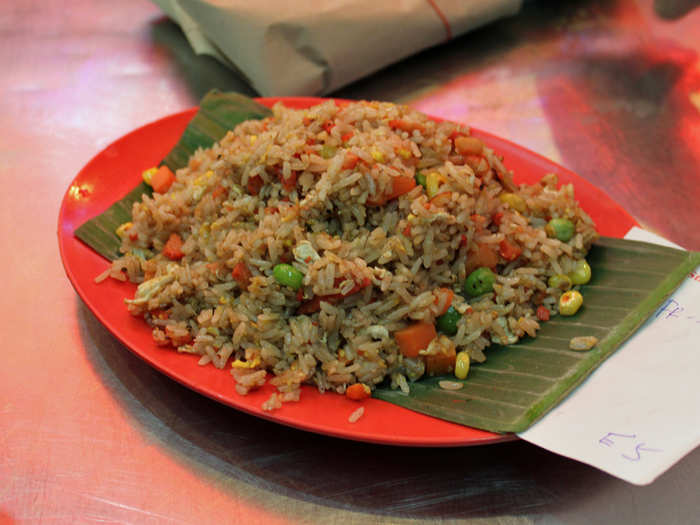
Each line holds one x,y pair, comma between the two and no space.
348,245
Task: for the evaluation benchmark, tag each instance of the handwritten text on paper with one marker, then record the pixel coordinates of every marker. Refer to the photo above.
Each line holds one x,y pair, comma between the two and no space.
627,443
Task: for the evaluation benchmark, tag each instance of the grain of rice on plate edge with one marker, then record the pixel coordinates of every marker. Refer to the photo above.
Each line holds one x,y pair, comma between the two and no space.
331,245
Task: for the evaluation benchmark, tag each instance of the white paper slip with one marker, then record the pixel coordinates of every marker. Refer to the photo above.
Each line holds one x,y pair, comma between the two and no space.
637,414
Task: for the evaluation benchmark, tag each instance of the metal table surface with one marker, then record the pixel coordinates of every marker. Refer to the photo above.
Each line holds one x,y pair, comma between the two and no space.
89,433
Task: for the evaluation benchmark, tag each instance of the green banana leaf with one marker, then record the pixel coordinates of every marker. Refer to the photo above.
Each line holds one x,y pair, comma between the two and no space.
218,112
518,383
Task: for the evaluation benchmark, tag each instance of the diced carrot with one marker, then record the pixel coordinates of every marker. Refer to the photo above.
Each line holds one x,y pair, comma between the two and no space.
350,161
463,240
447,295
508,250
441,363
468,145
307,121
497,218
241,274
314,304
441,199
364,283
311,141
415,338
482,255
290,183
328,126
219,191
162,179
542,313
358,392
345,137
133,236
407,231
400,186
255,184
173,247
404,125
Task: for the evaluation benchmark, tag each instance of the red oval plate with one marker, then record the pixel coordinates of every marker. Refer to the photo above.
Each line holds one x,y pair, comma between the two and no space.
117,169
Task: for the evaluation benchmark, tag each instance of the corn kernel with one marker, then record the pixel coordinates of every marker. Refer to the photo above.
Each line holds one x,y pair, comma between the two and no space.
122,229
433,182
245,364
253,138
462,365
202,179
514,201
403,153
377,155
148,174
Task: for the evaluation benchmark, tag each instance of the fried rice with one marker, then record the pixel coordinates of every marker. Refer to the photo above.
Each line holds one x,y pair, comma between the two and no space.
332,191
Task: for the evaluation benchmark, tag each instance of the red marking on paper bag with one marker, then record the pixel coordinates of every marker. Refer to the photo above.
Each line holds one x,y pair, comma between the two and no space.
445,22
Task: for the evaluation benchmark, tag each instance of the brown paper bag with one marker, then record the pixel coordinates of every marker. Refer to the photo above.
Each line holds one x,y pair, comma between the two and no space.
313,48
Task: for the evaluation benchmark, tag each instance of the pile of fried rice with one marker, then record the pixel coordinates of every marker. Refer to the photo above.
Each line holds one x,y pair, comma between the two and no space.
382,210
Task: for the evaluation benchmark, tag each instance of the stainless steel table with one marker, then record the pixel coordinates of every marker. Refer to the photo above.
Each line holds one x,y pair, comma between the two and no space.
89,433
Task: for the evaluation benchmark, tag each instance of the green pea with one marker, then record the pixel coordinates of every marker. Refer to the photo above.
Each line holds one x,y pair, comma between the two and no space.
447,322
581,273
570,302
287,275
560,281
479,282
562,229
328,151
462,365
421,179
